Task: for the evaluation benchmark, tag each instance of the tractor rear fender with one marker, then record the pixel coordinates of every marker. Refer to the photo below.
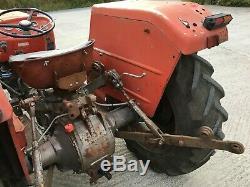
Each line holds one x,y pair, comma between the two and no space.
149,37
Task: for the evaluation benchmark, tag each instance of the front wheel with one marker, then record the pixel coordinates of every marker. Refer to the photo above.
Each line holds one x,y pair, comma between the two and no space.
191,100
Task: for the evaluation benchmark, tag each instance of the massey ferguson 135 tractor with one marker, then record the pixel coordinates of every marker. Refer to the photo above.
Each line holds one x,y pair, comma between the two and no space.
138,78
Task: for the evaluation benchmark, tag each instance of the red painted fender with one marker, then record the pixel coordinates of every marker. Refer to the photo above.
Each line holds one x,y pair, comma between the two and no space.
148,37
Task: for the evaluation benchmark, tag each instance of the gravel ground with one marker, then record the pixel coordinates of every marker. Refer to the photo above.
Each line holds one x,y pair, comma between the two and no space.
232,69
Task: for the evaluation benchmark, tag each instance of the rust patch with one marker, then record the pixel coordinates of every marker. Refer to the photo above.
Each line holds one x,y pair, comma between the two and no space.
93,151
72,82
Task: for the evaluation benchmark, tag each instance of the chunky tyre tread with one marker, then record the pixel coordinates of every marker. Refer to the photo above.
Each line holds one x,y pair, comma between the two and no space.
210,101
195,100
213,83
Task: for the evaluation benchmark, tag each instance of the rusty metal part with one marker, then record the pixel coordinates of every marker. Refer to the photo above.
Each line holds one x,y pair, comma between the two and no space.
89,141
36,157
99,82
184,141
72,108
148,122
206,132
85,100
115,79
72,82
94,141
26,102
81,150
41,70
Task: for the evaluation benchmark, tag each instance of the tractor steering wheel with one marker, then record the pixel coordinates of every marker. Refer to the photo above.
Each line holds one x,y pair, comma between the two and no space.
26,24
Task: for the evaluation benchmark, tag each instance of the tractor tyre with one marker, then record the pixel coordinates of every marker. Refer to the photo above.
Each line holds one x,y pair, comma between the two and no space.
14,183
191,100
11,173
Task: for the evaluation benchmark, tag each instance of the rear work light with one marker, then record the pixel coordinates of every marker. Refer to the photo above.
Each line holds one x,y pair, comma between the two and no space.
217,21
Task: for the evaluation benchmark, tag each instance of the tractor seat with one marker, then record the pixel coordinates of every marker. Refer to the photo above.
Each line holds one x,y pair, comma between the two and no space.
49,54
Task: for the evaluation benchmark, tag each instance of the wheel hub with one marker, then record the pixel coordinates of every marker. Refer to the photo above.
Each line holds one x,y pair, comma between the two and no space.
25,24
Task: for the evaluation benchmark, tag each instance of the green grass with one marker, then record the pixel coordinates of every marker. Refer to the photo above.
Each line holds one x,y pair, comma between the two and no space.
239,3
48,5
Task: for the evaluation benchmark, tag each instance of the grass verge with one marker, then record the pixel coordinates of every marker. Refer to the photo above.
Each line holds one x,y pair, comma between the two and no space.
49,5
237,3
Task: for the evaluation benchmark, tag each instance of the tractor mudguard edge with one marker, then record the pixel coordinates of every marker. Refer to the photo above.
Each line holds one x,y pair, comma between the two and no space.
161,32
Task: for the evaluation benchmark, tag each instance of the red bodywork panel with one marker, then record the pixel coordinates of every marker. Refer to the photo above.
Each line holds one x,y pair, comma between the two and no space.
24,45
16,129
5,107
148,37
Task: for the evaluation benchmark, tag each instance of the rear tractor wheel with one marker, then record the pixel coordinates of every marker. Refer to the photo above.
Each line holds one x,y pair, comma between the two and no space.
191,100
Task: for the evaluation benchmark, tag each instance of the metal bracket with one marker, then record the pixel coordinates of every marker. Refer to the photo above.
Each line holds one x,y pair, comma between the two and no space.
36,155
93,85
184,141
117,83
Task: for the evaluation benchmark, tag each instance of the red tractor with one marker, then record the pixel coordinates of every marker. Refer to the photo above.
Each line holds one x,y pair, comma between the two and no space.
138,78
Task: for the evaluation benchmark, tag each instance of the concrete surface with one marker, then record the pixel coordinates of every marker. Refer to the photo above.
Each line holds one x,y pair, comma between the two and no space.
232,69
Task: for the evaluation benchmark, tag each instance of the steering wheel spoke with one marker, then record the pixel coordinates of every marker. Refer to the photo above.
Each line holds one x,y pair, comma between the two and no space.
10,26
